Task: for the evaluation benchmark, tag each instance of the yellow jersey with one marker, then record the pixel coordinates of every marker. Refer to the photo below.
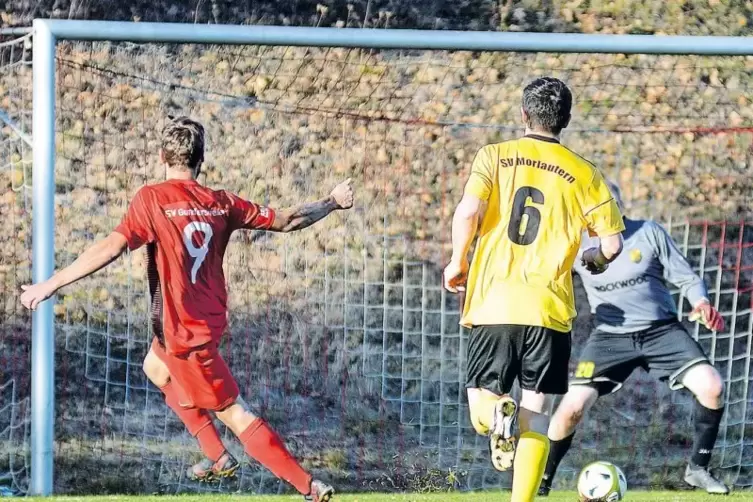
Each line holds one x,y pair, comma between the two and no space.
540,197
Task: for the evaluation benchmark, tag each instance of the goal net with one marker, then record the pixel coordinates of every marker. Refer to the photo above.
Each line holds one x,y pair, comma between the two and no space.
15,268
341,335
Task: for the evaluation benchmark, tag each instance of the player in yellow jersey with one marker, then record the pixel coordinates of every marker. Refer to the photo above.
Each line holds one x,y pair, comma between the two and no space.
536,197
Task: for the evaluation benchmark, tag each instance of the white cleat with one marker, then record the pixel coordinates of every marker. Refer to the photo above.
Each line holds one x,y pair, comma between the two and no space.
320,492
699,477
502,438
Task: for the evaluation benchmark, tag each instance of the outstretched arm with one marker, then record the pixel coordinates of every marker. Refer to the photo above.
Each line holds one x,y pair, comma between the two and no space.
678,271
305,215
97,256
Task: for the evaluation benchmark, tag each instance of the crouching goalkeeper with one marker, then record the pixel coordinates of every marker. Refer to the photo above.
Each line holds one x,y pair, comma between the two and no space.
636,326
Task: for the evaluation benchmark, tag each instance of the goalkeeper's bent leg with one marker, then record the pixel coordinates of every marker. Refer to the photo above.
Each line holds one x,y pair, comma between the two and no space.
704,381
577,401
262,443
533,447
198,422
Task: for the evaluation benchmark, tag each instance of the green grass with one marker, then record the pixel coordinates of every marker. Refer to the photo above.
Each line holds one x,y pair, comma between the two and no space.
491,496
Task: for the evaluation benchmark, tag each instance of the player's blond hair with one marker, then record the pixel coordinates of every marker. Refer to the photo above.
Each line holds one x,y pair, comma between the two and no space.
183,144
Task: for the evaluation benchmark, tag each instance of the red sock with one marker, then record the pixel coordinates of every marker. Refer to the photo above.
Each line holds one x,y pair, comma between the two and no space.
263,444
198,422
210,442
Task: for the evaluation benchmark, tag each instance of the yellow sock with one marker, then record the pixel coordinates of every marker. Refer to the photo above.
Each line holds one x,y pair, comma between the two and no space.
482,413
529,465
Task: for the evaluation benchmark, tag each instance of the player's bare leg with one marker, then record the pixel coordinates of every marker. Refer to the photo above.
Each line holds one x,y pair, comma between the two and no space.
219,462
262,443
578,400
495,416
706,384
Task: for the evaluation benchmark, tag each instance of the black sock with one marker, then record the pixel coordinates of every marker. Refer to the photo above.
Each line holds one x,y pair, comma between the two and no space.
706,424
557,451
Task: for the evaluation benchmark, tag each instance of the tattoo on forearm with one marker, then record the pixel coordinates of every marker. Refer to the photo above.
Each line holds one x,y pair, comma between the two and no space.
306,215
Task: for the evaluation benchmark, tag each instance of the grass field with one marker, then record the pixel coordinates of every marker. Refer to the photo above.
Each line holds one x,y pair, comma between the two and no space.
634,496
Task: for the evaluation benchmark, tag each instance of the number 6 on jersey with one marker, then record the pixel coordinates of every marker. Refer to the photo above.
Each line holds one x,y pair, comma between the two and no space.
199,254
520,209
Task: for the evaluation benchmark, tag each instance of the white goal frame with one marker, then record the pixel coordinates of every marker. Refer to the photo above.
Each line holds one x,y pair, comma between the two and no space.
46,34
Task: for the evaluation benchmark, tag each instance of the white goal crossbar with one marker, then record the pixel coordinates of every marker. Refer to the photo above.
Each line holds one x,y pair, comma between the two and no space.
46,34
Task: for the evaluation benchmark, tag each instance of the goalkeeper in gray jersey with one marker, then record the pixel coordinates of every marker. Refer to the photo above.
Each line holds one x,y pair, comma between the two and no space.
636,326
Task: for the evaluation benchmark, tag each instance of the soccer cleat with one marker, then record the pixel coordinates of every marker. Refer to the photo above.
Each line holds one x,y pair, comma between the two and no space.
545,488
320,492
207,471
502,438
700,477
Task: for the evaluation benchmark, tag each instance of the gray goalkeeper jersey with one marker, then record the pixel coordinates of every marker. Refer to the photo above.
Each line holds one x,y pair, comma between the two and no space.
632,294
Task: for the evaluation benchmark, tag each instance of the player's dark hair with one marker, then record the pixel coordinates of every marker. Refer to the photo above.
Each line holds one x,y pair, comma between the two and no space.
547,102
183,143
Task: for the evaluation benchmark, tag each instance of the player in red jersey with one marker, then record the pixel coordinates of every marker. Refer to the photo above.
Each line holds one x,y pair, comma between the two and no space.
186,228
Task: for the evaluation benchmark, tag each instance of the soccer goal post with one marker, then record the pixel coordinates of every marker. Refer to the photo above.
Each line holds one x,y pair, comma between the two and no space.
407,122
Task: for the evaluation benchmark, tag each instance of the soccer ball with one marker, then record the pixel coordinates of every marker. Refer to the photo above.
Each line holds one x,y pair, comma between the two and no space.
601,482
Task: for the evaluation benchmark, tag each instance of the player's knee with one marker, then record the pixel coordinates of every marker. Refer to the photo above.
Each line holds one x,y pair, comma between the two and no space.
573,408
712,391
707,385
236,416
715,388
230,416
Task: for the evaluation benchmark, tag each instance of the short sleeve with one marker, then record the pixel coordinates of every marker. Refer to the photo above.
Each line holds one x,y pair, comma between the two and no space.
480,182
251,216
600,210
136,225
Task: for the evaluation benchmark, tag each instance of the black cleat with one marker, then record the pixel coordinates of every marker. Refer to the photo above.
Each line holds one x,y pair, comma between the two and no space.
320,492
544,490
207,471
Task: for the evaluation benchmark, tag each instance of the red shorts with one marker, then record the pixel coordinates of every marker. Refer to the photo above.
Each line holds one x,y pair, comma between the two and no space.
201,377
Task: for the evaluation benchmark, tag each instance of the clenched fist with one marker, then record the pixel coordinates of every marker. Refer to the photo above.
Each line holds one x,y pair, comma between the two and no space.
594,261
455,276
343,195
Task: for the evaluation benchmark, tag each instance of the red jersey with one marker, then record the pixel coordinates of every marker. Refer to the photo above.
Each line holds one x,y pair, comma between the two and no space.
186,227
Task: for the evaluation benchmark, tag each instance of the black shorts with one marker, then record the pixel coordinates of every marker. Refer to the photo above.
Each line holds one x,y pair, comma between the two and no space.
608,359
498,354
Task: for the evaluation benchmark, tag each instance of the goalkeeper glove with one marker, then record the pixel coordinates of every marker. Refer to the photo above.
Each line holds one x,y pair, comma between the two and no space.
594,260
708,316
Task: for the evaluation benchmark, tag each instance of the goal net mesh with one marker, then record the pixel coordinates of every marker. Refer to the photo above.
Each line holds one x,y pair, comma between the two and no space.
341,335
15,266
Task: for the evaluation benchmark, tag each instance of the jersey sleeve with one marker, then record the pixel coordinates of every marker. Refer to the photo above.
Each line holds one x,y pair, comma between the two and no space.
677,270
250,216
136,225
480,182
600,210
